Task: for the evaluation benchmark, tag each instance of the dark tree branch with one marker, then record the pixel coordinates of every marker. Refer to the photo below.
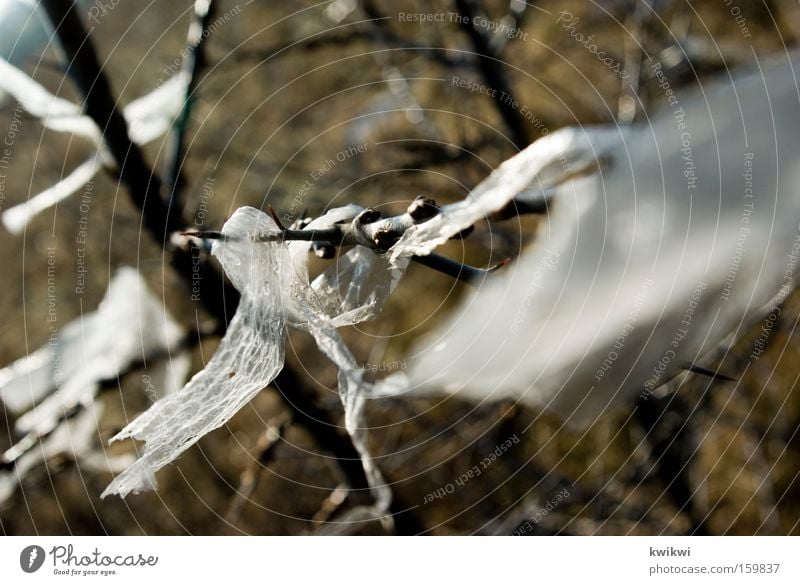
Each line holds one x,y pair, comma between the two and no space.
463,272
370,31
378,29
84,68
144,186
379,234
491,69
317,421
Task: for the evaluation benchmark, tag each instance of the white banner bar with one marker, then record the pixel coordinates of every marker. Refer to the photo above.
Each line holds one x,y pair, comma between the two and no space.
376,561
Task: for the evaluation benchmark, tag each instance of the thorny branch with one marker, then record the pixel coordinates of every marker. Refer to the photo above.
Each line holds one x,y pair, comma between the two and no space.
379,233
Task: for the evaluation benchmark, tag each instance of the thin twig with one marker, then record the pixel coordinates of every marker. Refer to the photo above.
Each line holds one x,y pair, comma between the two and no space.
331,504
267,446
457,270
373,30
371,230
192,65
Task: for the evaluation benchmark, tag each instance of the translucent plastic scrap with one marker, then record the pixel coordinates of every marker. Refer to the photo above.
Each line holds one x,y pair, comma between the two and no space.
357,286
643,268
537,165
152,115
353,391
130,325
75,437
247,359
28,380
16,218
299,249
148,117
321,310
52,112
273,279
298,295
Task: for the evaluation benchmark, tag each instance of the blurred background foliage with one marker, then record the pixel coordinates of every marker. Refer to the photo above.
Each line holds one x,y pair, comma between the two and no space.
308,106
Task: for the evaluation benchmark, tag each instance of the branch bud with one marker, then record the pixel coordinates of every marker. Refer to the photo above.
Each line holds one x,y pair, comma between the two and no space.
422,209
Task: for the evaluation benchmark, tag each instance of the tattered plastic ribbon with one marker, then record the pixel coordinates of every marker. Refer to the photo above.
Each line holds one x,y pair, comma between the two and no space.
55,387
352,291
129,326
273,280
75,437
357,286
247,359
148,117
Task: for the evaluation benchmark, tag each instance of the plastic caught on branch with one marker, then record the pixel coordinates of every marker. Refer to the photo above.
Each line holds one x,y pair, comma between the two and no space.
248,358
685,233
530,173
366,281
75,437
148,117
55,387
130,326
356,287
273,279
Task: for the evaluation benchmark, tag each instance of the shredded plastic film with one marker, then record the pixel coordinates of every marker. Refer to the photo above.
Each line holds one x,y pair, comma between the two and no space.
148,117
54,389
644,266
248,358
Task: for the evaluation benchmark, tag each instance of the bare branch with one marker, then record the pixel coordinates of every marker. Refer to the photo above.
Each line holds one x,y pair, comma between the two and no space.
84,68
331,504
193,63
491,68
267,445
379,234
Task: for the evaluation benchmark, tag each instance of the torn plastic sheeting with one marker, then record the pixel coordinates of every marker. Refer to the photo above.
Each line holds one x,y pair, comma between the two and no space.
353,391
16,218
353,289
53,112
357,286
298,250
247,359
148,117
76,438
319,311
641,269
532,167
129,326
273,279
